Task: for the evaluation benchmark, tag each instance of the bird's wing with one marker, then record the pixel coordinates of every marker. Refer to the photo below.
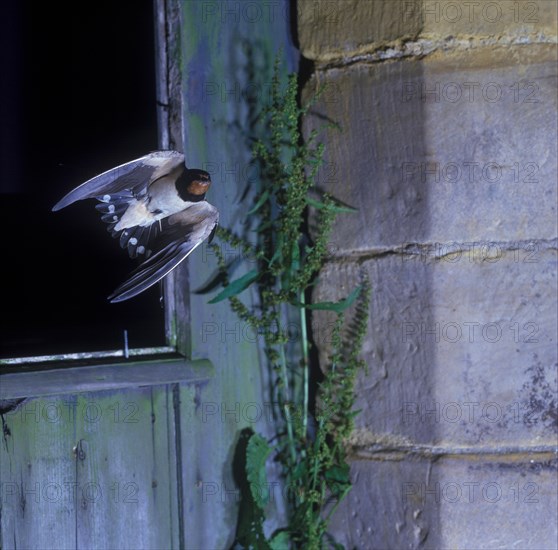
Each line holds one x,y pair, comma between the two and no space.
180,234
139,172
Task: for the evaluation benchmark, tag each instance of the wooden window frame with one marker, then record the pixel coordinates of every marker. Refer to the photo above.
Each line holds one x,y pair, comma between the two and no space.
58,373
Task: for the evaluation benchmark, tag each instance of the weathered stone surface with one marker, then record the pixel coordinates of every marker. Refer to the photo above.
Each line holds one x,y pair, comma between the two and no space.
460,147
331,30
523,18
378,514
461,352
480,502
451,162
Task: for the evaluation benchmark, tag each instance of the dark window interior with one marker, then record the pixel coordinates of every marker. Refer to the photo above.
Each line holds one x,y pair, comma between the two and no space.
77,98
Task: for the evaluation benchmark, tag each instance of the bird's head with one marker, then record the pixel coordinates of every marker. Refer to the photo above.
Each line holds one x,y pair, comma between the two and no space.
193,183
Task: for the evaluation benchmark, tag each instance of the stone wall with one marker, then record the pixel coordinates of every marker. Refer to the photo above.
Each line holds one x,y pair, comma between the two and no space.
447,147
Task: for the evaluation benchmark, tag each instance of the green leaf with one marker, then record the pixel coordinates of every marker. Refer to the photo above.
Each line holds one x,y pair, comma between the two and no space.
338,307
340,474
335,207
280,541
338,479
256,455
300,471
237,286
278,250
261,201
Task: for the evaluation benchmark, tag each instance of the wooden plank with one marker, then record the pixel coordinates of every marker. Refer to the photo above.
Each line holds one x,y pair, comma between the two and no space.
37,473
124,467
94,470
103,377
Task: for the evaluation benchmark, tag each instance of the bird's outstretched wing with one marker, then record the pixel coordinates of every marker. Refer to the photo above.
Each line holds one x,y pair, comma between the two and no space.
179,235
131,175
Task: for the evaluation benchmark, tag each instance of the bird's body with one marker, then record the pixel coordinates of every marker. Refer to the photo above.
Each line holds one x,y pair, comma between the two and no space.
157,207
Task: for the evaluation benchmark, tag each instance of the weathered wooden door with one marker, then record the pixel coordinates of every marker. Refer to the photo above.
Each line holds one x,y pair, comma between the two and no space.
100,467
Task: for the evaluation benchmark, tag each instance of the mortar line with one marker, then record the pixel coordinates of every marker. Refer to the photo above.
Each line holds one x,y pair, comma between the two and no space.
400,452
450,249
423,46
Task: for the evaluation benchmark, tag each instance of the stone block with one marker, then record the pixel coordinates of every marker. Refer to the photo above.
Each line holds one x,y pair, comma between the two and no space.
502,18
330,31
377,513
476,502
460,351
455,148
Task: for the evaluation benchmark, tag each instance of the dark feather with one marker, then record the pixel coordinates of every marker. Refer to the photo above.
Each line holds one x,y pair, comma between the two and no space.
135,239
179,235
131,175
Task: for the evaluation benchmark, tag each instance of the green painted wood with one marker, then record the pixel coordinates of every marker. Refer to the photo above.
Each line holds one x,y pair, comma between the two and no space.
132,472
53,381
227,52
94,470
37,471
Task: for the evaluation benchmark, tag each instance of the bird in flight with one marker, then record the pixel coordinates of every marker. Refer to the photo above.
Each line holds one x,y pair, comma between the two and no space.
157,208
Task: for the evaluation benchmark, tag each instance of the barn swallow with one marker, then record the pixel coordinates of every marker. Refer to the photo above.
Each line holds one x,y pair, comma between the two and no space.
157,208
